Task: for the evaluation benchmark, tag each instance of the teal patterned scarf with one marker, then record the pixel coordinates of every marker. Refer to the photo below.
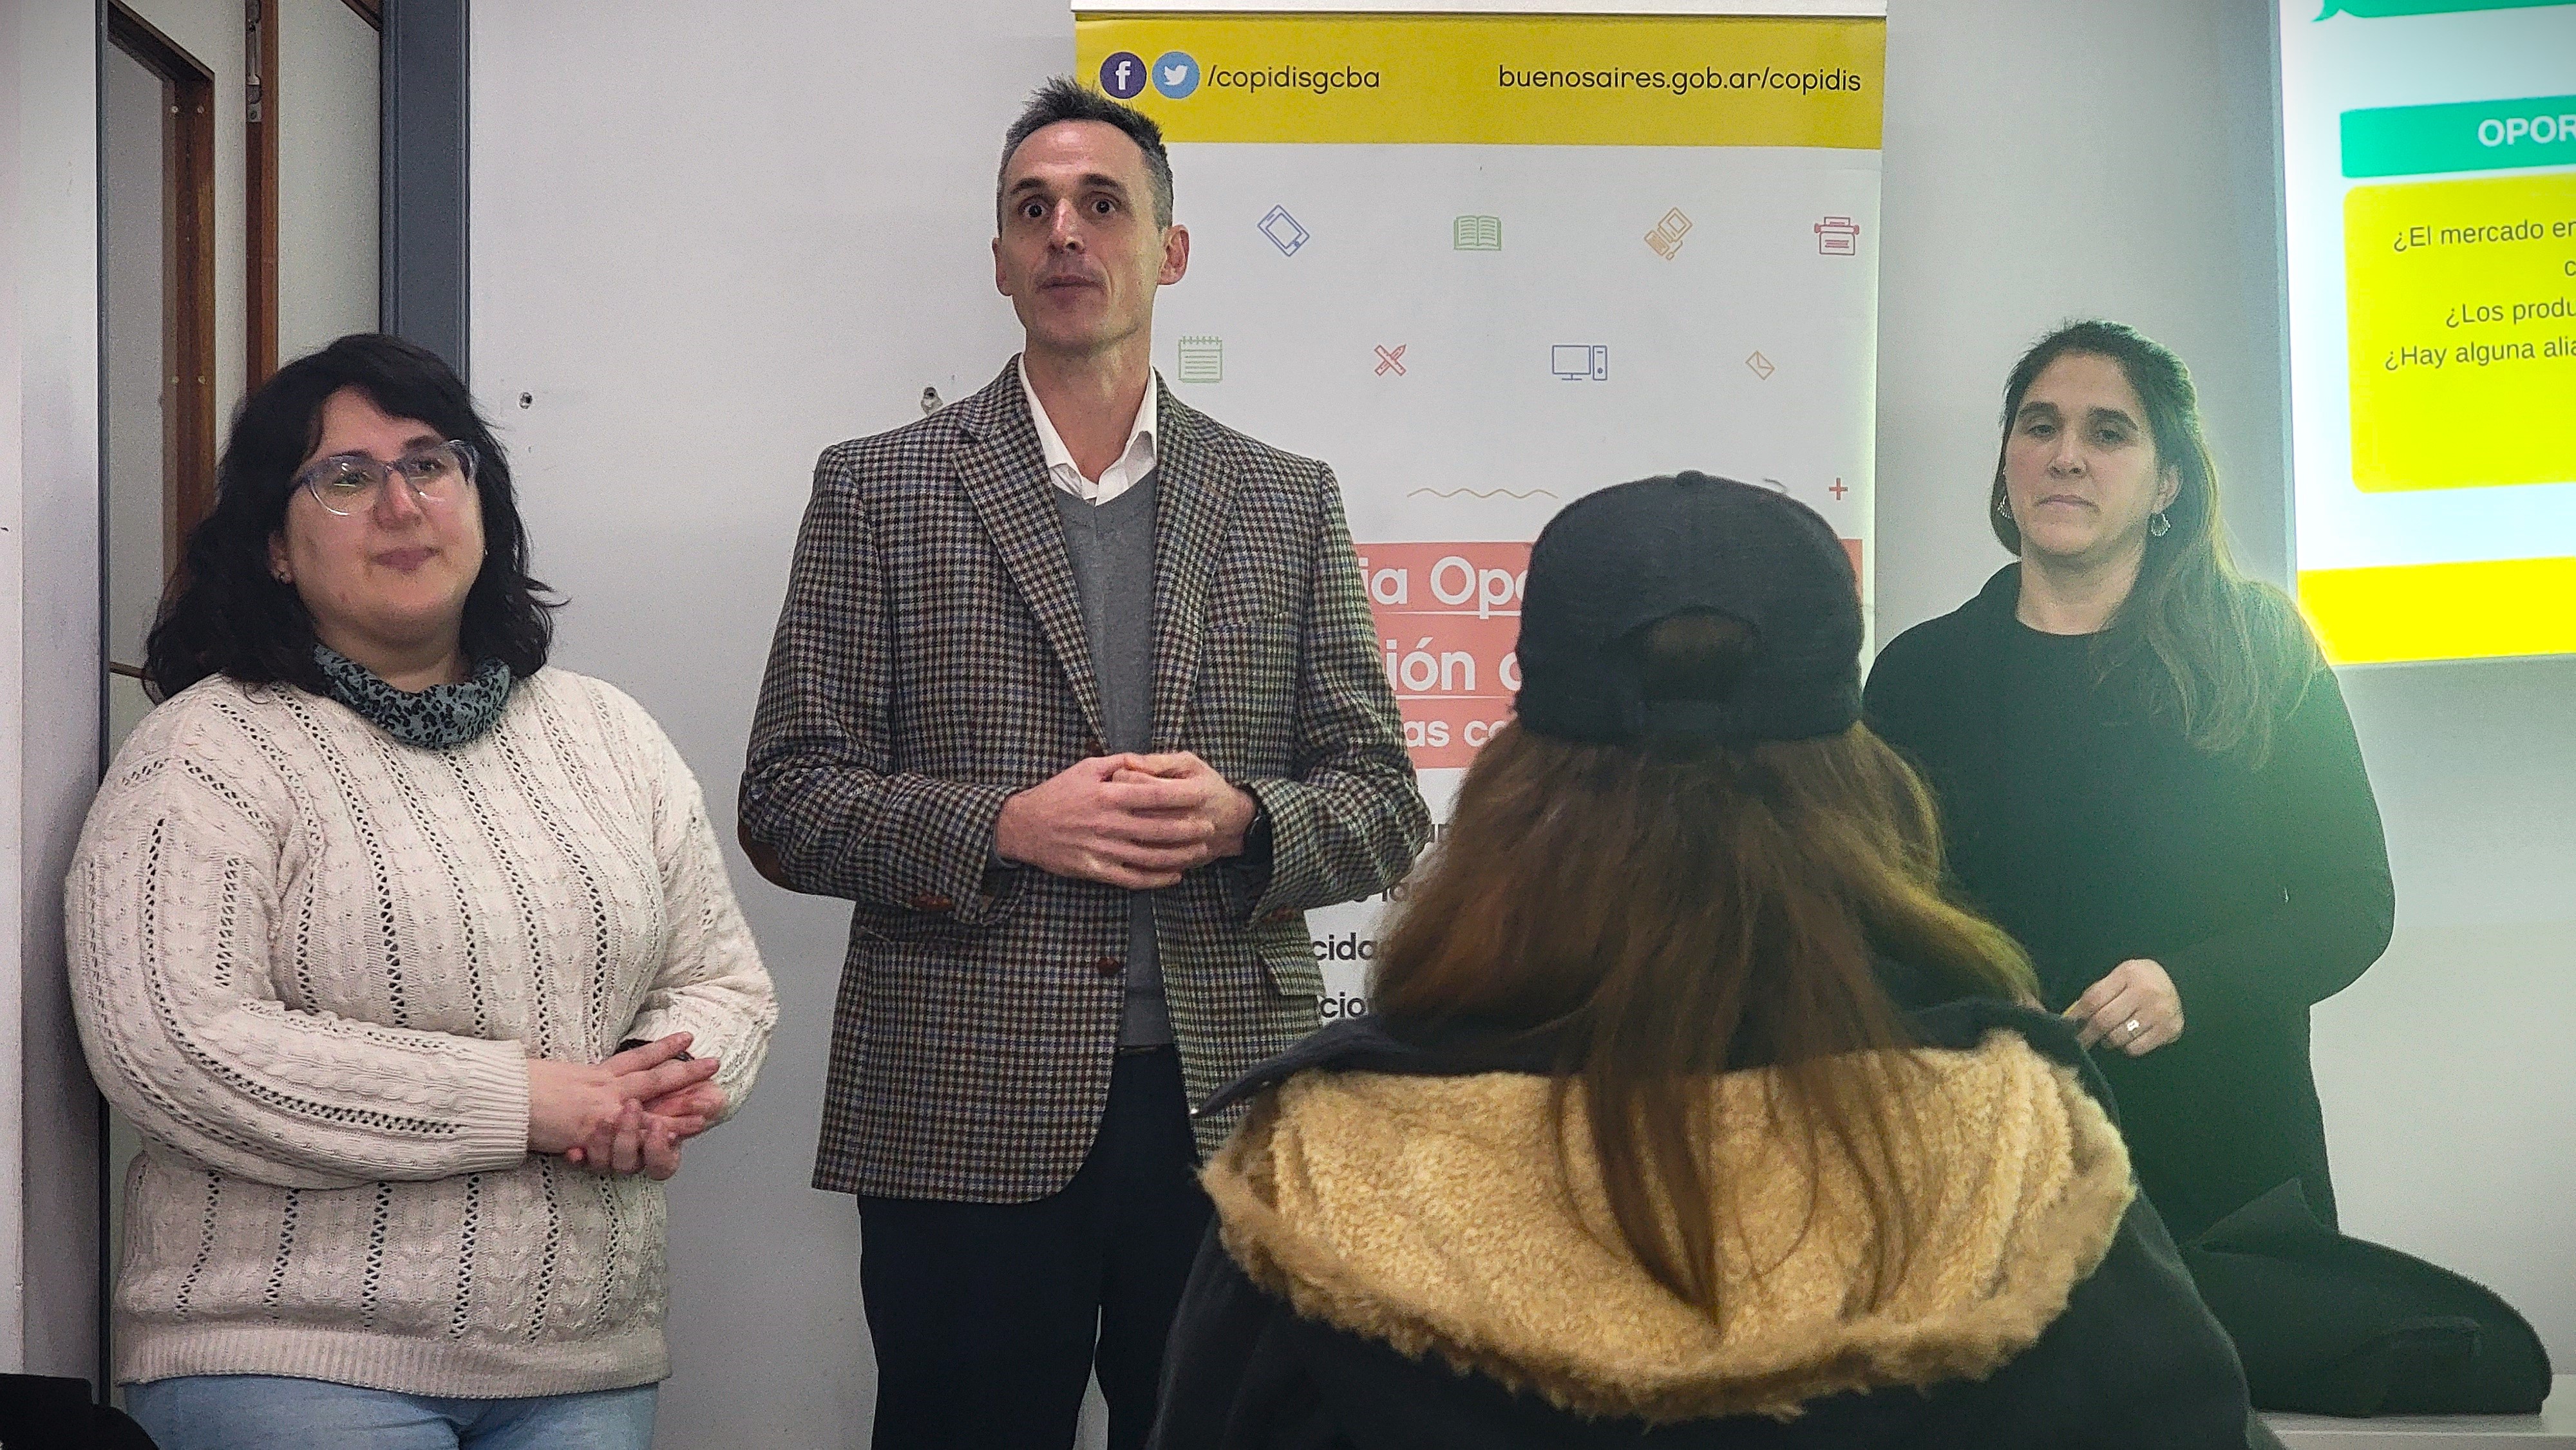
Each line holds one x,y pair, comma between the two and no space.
438,718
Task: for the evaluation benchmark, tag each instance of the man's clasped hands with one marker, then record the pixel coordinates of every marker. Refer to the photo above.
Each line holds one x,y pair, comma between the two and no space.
1135,821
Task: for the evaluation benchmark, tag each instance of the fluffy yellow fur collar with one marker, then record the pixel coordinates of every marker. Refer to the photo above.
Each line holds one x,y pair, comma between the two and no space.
1429,1213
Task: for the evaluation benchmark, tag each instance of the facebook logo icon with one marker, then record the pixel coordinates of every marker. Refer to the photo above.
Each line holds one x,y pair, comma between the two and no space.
1123,75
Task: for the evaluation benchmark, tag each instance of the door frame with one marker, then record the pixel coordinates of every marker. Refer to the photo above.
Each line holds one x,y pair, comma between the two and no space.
188,274
261,181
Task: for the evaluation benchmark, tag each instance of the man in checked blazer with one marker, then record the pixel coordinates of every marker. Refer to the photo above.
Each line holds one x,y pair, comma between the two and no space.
1077,695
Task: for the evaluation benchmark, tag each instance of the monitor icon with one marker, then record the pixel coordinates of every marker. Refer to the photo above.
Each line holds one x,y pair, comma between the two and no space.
1579,362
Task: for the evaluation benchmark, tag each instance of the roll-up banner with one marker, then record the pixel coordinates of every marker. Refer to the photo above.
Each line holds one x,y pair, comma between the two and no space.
1485,262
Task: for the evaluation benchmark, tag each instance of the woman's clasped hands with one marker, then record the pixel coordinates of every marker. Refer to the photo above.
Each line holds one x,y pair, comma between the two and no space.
628,1114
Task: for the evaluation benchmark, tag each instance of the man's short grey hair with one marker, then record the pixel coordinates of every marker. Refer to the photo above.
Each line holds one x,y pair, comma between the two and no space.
1063,99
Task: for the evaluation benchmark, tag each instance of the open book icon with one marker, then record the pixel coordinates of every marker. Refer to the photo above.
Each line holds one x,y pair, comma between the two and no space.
1478,234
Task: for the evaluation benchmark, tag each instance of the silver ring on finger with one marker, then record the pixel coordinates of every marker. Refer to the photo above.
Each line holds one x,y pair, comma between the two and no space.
2131,1027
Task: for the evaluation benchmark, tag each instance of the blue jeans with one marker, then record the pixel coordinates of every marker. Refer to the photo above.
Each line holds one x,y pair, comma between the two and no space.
273,1412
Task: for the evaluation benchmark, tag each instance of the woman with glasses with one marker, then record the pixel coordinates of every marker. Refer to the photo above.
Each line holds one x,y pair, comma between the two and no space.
412,959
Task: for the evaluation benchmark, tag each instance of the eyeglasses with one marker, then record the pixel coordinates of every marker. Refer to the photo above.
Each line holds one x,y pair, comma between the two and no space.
352,483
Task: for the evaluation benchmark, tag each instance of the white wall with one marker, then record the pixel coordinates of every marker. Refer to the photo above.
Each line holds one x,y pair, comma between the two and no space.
137,446
2047,161
49,669
17,52
2447,1077
706,245
326,89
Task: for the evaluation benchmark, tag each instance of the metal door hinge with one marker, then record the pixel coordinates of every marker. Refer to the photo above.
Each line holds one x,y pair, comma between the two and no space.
254,91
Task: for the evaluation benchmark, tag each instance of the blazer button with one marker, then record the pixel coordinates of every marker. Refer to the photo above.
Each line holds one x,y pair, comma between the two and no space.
1091,750
1107,965
925,901
1282,916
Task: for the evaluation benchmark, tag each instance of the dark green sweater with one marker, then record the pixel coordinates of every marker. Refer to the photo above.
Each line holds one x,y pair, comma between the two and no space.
2094,834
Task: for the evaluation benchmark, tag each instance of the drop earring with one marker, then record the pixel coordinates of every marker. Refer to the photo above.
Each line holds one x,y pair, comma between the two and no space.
2003,507
2157,525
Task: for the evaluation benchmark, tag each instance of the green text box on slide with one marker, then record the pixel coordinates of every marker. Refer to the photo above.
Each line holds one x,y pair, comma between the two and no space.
2382,9
2460,136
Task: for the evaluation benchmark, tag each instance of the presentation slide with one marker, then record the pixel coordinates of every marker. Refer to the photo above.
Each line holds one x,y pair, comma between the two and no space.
2428,153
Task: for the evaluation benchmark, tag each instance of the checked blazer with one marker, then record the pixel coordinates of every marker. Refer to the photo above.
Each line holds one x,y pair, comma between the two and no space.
932,659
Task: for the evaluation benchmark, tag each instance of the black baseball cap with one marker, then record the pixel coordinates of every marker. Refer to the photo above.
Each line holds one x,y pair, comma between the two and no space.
1612,563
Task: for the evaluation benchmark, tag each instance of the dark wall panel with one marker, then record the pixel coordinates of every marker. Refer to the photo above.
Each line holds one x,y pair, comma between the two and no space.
424,195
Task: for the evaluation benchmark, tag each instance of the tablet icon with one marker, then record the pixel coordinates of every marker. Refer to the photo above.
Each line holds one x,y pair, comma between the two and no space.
1578,362
1283,231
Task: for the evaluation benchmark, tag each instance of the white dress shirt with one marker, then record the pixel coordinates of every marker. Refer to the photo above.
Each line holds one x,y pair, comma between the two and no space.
1118,477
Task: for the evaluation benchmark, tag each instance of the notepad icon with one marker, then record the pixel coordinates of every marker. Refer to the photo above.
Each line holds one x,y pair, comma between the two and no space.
1202,360
1477,234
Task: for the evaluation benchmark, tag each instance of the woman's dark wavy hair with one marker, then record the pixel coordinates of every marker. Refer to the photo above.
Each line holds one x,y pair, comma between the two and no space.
2224,657
225,614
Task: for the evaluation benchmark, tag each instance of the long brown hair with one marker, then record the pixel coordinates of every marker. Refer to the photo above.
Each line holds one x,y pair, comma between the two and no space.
1666,909
2223,656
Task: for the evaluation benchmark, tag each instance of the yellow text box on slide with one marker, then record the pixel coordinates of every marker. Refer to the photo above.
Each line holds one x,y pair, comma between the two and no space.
1583,80
2461,303
2488,609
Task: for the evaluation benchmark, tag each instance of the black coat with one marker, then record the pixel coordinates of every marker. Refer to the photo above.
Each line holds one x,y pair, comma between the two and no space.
2094,834
2128,1356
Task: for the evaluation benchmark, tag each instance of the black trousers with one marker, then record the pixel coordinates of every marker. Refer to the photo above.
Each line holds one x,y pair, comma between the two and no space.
989,1318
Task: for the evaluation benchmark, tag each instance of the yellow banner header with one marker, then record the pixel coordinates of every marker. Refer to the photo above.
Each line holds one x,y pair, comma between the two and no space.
1553,80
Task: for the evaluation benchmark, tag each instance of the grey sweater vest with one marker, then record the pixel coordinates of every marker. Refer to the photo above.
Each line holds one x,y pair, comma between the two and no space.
1111,547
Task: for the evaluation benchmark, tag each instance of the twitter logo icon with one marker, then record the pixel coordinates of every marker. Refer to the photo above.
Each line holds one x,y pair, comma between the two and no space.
1176,74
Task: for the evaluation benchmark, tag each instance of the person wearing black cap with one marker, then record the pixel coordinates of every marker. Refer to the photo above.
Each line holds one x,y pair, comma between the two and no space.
1691,1112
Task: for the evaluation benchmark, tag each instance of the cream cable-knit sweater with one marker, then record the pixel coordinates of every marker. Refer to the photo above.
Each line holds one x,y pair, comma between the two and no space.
310,963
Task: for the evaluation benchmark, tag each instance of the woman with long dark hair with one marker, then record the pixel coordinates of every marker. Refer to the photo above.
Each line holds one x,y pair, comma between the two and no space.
411,957
1690,1107
2147,776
